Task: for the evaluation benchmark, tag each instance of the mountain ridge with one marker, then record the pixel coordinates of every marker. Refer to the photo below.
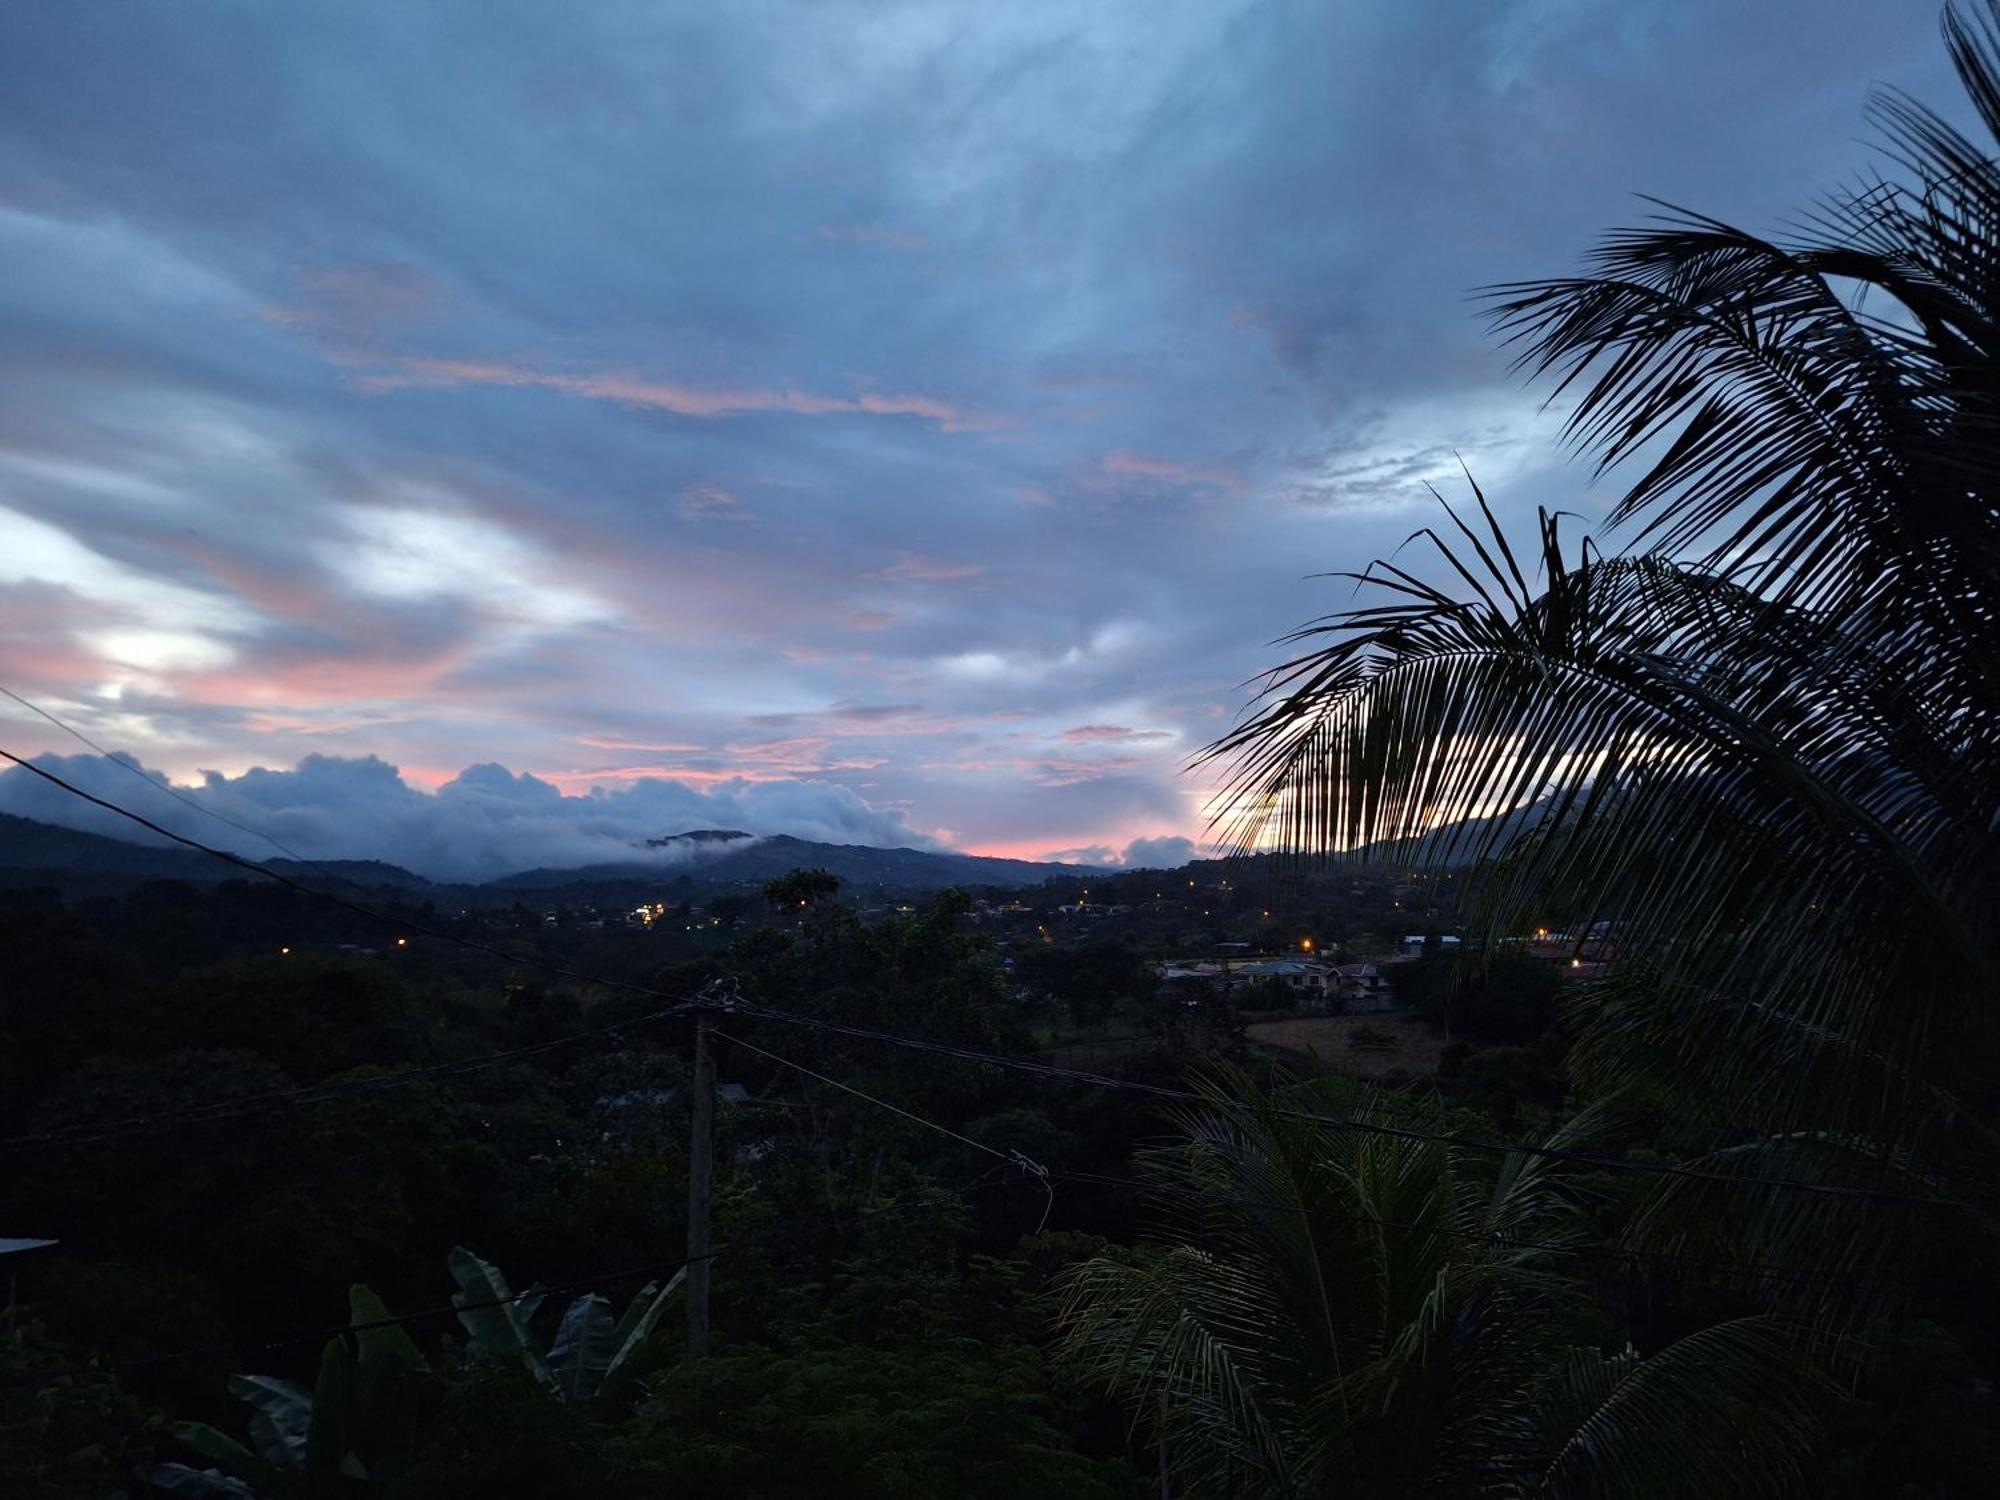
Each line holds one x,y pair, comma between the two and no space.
29,847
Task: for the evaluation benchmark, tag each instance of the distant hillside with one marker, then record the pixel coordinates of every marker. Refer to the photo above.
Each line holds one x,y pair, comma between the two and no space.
766,858
364,872
28,847
34,853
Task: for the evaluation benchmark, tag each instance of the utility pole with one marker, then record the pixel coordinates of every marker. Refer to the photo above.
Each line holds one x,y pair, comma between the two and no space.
701,1182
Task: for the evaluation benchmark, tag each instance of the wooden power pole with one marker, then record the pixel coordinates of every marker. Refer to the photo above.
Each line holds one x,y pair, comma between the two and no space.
701,1182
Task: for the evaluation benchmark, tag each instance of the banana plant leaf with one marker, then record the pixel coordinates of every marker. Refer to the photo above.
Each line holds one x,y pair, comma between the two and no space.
494,1319
331,1433
385,1348
213,1442
281,1418
583,1349
640,1319
203,1484
381,1423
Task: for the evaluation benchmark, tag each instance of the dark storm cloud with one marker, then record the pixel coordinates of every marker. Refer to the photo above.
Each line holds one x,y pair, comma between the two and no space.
893,398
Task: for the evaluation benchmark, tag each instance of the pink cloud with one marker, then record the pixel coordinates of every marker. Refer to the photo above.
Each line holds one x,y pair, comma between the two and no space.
706,402
1112,734
360,304
326,681
1044,770
886,721
1129,465
614,742
275,722
572,783
707,502
870,619
803,755
914,567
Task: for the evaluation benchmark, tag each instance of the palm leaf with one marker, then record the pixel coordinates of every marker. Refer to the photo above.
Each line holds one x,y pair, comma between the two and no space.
1731,1410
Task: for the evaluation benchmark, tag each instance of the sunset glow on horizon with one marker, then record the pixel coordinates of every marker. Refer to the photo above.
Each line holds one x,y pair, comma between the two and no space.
899,425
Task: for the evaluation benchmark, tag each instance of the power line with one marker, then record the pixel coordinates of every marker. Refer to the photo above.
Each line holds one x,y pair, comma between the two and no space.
1464,1142
394,923
223,1109
1018,1064
1806,1274
164,787
1023,1065
1012,1158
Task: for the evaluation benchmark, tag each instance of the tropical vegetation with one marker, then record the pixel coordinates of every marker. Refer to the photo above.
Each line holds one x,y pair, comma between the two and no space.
1752,750
1715,1220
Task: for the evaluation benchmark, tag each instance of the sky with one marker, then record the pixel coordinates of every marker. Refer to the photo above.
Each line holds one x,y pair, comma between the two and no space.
484,434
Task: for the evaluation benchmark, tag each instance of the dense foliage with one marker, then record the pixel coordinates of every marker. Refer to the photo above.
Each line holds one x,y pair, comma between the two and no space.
1713,1219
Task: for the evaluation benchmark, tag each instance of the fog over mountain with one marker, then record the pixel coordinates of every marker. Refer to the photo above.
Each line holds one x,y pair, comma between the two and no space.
485,822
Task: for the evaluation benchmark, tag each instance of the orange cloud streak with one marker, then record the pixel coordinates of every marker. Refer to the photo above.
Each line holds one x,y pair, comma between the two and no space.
683,400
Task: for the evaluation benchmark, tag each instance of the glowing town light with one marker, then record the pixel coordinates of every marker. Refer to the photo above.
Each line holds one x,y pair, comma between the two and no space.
284,950
1306,945
402,942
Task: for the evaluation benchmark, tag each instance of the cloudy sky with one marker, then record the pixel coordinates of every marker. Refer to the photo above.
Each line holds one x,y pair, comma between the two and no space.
901,423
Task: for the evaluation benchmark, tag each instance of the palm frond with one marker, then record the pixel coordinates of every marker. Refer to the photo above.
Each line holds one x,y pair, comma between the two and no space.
1731,1410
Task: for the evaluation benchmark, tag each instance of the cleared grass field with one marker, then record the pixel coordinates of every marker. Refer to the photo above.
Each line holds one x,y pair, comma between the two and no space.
1330,1039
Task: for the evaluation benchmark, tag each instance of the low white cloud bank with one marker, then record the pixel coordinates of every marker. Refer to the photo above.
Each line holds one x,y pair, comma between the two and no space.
486,822
1161,854
1168,853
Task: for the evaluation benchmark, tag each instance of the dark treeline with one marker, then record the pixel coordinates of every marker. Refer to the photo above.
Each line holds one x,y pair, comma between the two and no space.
1687,1188
889,1304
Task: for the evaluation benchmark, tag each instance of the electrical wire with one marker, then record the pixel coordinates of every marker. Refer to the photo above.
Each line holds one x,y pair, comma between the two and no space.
224,1109
1630,1257
200,1114
1028,1166
394,923
1023,1065
165,787
1398,1132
